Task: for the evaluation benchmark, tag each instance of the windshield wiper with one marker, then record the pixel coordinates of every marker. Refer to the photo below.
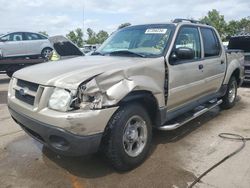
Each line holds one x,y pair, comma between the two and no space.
126,52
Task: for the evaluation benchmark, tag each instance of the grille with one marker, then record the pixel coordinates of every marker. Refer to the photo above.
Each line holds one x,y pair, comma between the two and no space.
29,85
26,91
25,98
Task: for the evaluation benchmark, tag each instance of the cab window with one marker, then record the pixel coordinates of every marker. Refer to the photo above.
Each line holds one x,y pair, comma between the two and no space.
188,37
211,42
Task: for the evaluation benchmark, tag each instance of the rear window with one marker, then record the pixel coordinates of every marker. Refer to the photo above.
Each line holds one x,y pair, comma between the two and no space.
211,42
239,43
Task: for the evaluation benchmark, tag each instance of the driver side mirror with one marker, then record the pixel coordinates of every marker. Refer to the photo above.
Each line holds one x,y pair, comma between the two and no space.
182,53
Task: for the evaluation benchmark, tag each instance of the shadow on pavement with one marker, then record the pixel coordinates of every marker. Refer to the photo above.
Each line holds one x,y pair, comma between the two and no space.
91,166
246,85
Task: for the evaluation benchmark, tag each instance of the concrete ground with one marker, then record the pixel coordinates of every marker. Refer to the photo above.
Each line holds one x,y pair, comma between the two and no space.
177,157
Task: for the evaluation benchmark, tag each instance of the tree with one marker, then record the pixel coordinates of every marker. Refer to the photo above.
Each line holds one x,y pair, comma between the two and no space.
43,33
91,36
102,36
76,37
98,38
244,25
216,20
124,25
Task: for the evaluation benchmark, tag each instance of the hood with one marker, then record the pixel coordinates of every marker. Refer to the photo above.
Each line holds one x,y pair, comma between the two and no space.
70,73
65,47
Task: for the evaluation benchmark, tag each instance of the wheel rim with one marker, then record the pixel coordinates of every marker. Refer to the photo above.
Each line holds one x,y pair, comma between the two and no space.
135,136
232,92
46,53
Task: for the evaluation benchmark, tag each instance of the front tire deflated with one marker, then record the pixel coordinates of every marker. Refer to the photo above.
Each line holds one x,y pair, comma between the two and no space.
127,137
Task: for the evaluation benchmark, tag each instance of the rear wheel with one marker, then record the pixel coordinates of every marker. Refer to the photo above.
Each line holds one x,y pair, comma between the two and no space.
46,52
230,98
127,138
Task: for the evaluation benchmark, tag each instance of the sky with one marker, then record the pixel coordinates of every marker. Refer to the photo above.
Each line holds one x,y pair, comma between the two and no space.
61,16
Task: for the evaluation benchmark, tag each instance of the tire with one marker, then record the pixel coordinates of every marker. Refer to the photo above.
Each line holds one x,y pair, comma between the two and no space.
229,98
46,53
126,145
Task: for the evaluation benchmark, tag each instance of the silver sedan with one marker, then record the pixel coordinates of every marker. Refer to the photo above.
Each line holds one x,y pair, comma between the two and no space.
27,44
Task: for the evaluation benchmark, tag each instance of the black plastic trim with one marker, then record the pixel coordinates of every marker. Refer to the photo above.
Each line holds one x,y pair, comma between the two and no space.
78,145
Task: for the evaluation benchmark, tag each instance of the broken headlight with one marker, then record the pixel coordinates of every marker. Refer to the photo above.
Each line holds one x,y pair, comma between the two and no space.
60,100
88,101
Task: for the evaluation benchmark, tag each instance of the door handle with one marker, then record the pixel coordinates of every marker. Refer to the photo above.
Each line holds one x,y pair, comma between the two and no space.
222,62
201,66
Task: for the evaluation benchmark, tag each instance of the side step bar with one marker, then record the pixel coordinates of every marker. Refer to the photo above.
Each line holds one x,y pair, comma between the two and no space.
207,107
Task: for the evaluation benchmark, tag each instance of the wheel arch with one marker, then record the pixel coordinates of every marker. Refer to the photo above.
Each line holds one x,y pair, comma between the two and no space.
236,74
147,100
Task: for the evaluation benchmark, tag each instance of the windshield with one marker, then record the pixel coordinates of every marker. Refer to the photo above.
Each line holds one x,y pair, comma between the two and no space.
147,40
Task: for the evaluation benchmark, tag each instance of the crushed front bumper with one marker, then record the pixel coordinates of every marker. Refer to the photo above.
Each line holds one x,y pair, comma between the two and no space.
57,139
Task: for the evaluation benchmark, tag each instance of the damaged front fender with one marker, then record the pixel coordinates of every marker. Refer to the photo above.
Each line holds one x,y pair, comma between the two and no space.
112,86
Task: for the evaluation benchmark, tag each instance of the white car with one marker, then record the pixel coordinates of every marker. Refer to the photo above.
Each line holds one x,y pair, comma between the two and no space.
26,44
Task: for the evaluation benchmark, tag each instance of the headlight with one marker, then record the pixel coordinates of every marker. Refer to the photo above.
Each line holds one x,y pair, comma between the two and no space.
60,100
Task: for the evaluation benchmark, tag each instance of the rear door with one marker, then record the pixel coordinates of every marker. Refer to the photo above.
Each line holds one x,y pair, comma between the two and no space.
214,61
13,46
185,76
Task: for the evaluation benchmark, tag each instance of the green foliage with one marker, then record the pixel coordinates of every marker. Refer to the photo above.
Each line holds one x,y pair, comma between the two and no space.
124,25
226,28
98,38
102,36
76,37
216,20
43,33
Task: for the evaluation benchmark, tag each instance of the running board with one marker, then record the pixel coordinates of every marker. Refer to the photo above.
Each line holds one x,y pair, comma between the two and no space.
205,108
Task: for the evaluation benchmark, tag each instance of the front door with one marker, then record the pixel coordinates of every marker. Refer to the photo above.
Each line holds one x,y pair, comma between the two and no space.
185,76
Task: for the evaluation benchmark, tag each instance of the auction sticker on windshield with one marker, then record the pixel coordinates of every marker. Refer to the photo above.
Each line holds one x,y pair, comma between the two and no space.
155,31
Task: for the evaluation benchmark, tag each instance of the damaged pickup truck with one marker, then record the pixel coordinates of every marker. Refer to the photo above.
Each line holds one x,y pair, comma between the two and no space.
143,77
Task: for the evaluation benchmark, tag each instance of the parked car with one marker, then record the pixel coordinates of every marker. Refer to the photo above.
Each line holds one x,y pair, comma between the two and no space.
143,77
89,48
62,46
242,42
24,44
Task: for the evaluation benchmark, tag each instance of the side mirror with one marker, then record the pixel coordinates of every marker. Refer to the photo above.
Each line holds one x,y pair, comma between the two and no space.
183,53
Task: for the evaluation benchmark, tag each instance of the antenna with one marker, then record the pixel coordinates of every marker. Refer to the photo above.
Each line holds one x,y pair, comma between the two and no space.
83,17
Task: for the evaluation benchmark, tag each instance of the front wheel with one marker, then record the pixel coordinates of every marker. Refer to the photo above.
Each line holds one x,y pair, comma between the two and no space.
230,98
127,138
46,52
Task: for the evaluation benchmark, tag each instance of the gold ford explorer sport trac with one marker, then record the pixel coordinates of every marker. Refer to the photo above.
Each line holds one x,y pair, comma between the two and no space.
143,77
